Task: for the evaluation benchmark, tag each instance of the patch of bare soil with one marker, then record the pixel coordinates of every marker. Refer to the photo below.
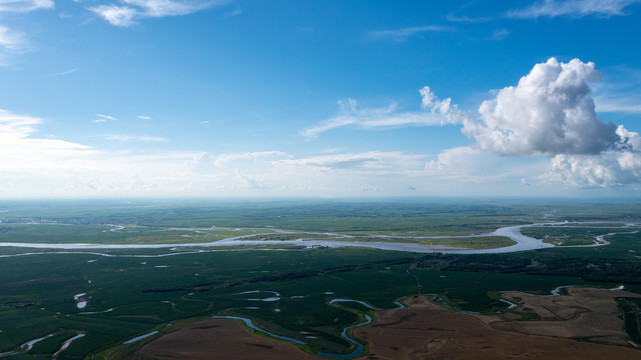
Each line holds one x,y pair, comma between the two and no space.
424,331
220,339
588,314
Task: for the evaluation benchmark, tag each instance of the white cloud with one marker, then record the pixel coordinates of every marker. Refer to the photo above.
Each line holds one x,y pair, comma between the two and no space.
466,164
401,35
630,141
611,168
11,42
605,170
15,42
33,166
106,117
369,118
19,151
249,159
44,167
25,5
623,104
160,8
246,181
499,34
131,11
575,8
116,15
143,117
232,13
103,118
70,71
450,113
142,138
620,91
373,161
549,115
550,111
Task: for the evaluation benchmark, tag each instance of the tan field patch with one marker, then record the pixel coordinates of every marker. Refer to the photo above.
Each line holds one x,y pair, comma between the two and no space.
428,331
220,339
424,331
590,314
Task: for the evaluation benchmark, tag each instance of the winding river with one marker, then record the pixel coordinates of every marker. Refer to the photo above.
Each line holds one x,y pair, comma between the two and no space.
357,351
523,242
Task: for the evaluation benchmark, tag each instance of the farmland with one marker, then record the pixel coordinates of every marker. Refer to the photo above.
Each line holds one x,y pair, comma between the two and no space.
129,293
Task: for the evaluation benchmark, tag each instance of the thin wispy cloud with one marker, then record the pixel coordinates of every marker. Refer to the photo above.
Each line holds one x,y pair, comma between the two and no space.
232,13
105,117
12,41
128,12
64,73
143,117
143,138
351,114
620,91
499,34
629,104
403,34
368,161
116,15
573,8
455,17
464,18
25,5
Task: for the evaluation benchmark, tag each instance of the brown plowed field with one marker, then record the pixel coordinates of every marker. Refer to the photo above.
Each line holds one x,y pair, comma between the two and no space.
424,331
427,331
221,339
588,314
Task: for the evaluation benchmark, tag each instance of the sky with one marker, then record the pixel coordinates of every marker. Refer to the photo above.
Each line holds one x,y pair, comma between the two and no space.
241,98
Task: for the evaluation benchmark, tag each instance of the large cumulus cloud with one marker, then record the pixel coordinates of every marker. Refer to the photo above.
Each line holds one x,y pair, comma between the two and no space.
551,112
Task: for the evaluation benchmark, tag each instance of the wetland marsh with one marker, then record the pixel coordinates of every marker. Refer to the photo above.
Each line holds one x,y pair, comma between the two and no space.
140,275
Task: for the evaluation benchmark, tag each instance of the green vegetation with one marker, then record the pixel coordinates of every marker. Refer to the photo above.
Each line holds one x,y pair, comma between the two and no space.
131,292
112,234
571,235
631,309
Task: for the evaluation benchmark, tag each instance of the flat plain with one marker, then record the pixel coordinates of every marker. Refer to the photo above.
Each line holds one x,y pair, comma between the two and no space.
118,302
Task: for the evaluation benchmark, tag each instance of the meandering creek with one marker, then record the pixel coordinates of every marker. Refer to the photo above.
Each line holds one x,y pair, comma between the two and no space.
356,352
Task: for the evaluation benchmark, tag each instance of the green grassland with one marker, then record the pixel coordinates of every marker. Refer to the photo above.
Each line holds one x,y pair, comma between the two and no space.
570,235
133,292
111,234
479,242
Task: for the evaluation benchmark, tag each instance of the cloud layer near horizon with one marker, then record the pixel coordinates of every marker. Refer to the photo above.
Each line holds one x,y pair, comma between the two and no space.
548,117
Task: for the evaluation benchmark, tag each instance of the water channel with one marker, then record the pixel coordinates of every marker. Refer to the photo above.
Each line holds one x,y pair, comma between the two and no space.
523,242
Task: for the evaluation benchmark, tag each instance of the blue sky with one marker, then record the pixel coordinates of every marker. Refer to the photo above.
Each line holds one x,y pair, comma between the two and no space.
104,98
